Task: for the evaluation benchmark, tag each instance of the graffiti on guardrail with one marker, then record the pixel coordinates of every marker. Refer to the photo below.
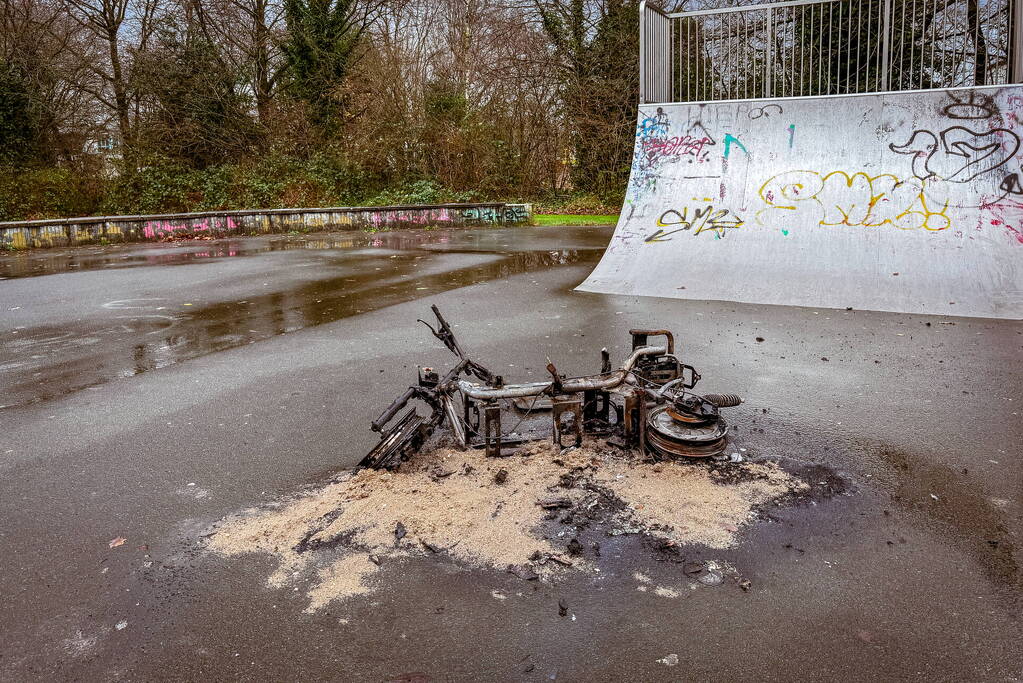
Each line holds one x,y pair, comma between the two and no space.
204,226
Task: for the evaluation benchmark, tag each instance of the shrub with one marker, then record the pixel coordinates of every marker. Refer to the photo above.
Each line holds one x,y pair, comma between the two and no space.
45,192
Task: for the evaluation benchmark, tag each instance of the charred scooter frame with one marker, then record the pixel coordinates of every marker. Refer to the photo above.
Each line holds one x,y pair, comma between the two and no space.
652,408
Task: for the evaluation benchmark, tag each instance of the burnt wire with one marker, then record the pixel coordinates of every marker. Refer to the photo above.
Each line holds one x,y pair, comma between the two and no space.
645,380
529,410
536,398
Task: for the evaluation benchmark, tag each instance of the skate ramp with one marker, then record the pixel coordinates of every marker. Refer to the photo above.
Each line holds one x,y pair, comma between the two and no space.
907,202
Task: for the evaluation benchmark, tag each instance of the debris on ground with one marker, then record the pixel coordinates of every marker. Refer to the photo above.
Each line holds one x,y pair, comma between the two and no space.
187,237
339,536
347,576
119,541
524,572
670,660
711,577
555,503
646,405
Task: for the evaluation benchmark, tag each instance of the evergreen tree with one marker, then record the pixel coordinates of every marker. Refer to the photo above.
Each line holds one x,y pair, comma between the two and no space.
320,50
19,121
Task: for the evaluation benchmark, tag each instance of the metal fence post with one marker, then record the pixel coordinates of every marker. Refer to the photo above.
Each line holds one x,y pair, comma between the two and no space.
770,53
671,62
642,52
886,43
1016,45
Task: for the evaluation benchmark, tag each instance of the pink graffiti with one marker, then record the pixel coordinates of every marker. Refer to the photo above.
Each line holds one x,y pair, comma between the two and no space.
1001,212
1016,233
676,146
384,218
1014,102
157,229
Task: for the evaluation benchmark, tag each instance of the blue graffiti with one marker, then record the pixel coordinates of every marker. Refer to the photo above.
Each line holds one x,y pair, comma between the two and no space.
729,139
654,126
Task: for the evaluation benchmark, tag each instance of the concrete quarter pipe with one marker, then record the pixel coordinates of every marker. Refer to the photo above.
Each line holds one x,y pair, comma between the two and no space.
909,202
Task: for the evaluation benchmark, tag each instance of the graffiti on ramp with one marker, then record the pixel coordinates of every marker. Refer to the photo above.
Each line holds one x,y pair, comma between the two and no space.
907,202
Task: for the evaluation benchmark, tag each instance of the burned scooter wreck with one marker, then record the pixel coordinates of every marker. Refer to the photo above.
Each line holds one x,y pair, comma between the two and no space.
646,404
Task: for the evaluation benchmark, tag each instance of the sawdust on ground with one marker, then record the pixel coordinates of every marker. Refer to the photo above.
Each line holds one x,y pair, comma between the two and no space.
447,501
346,576
681,502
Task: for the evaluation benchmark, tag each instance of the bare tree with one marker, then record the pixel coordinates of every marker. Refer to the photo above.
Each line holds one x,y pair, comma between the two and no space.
249,34
116,38
39,40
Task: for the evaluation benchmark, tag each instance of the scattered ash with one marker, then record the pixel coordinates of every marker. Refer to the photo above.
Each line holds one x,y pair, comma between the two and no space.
726,473
537,514
821,483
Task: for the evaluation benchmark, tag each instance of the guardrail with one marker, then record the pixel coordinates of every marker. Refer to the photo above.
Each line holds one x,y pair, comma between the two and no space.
827,47
108,229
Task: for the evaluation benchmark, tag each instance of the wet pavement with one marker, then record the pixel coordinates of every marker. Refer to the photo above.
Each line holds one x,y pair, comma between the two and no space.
49,349
151,390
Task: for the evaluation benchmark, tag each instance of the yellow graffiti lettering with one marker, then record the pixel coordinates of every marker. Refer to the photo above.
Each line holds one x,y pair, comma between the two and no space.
842,199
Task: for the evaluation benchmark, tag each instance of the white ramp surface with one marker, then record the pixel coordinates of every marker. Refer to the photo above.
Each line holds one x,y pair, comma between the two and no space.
908,202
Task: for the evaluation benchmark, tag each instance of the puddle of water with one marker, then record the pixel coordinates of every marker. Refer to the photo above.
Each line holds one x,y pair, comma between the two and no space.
494,240
43,363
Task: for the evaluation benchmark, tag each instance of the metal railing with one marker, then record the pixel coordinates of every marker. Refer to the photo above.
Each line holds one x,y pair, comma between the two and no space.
827,47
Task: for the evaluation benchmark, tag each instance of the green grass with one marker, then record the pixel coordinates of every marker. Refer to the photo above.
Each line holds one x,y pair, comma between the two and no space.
572,219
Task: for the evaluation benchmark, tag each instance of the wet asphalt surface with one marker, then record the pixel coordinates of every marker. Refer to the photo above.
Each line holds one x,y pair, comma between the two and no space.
149,390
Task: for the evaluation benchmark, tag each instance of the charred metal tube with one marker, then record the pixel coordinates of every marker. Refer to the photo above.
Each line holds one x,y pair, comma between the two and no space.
454,421
641,337
453,373
393,409
482,393
646,391
572,385
664,388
